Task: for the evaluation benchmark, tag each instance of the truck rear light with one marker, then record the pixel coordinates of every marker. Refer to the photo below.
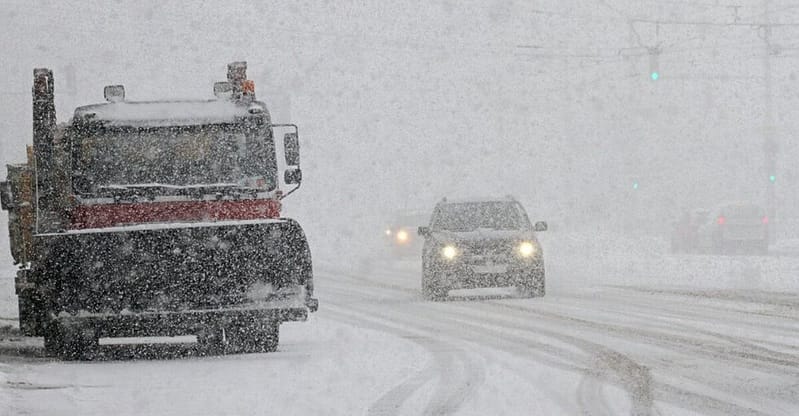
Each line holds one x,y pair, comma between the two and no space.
722,220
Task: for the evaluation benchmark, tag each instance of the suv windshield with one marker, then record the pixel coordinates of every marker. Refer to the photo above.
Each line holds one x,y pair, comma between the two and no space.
473,215
180,156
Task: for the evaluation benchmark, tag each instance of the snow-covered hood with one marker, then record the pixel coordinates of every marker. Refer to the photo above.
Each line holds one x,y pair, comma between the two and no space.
480,234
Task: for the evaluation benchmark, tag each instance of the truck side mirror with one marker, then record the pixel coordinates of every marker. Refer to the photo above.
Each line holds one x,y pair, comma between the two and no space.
424,231
291,146
292,176
540,226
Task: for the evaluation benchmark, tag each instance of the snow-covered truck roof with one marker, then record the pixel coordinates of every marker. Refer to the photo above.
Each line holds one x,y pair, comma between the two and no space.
171,113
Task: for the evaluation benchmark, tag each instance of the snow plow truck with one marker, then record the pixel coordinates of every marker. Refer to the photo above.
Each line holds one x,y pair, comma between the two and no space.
157,219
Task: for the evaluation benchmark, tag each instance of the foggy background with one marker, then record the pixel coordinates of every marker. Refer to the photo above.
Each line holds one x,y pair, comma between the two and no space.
401,104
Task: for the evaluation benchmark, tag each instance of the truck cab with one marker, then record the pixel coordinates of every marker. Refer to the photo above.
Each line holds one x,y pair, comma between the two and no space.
156,218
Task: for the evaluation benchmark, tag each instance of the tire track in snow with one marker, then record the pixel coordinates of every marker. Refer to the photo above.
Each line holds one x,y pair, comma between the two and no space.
689,307
634,378
677,325
482,335
630,373
666,392
458,374
601,363
782,362
590,399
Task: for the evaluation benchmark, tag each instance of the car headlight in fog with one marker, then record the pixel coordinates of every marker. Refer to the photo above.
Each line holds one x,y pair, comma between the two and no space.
388,232
527,249
402,236
449,252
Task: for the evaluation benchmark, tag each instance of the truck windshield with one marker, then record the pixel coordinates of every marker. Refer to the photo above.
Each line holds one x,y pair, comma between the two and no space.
179,156
474,215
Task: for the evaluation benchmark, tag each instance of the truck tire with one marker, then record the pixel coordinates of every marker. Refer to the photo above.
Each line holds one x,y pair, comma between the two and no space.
70,343
31,318
240,337
431,286
257,337
211,341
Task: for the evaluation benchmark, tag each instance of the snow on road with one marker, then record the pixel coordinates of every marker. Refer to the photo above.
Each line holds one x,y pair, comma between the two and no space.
376,348
322,367
671,351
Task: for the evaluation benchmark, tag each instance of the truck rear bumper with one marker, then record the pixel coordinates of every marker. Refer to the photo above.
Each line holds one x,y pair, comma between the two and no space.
176,323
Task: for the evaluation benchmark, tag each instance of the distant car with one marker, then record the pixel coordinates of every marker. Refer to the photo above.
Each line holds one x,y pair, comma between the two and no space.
481,243
732,227
401,236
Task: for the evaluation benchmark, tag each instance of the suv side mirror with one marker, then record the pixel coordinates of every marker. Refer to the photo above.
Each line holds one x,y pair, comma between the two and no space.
424,231
291,146
292,176
540,226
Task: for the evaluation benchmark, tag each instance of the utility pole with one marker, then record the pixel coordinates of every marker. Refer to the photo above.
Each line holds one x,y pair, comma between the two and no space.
769,142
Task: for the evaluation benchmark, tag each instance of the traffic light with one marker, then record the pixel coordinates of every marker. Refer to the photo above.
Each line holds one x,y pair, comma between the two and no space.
772,178
635,184
654,64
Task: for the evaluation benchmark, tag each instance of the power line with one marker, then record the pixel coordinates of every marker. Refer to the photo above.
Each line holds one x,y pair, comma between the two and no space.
673,22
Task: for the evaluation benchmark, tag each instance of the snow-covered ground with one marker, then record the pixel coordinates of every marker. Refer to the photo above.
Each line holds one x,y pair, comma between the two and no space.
291,381
647,262
404,103
375,347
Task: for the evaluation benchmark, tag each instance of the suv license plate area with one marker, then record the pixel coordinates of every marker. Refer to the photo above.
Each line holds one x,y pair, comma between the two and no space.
495,268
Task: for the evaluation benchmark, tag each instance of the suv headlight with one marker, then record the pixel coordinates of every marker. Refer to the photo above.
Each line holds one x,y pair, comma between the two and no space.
402,236
449,252
527,249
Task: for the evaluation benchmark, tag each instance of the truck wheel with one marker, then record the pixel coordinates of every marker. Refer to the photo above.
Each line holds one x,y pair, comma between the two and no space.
257,337
31,317
431,287
534,286
70,343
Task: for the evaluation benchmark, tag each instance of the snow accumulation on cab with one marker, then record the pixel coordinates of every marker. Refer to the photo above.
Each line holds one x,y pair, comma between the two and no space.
158,113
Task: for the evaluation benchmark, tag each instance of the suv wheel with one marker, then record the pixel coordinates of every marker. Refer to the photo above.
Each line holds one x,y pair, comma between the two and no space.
533,285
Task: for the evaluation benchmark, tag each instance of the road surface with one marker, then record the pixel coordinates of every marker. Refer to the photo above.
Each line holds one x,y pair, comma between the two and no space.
376,348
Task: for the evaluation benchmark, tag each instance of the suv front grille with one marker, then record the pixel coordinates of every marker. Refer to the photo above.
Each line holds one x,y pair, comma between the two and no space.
488,248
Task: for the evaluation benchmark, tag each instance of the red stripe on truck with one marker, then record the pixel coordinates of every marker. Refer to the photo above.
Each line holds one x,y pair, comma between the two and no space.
110,215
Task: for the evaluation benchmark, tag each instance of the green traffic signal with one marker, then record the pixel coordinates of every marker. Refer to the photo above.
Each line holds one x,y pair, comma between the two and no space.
654,75
772,178
635,185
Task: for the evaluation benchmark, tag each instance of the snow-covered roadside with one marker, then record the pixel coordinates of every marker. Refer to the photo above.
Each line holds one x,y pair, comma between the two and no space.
314,372
5,398
599,259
